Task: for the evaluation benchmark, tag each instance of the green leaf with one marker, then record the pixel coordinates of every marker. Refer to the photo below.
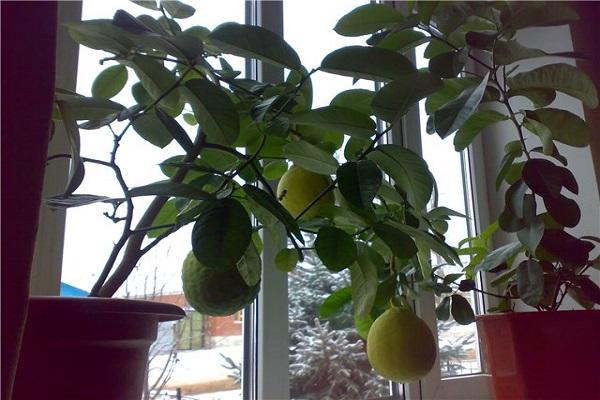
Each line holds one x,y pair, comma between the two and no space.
75,200
152,129
176,131
213,110
409,171
443,213
363,277
461,309
448,65
250,265
156,79
453,115
221,234
167,215
537,14
310,157
171,189
274,170
364,62
564,126
109,82
335,248
508,52
363,325
253,41
532,233
480,40
90,108
359,182
539,97
499,256
543,177
100,34
344,120
358,100
475,124
403,41
149,4
401,244
77,170
335,303
385,291
530,282
562,77
179,10
442,311
450,90
542,132
395,99
367,19
266,201
433,243
425,9
286,260
436,47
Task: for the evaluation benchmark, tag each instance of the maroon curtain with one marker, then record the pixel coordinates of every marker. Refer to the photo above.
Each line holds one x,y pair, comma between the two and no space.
586,39
28,63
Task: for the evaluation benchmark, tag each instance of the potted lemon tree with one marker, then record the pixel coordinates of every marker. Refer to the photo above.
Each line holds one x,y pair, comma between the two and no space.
240,135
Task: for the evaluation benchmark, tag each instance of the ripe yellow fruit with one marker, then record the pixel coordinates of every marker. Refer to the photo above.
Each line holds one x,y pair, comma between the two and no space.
400,346
298,188
215,291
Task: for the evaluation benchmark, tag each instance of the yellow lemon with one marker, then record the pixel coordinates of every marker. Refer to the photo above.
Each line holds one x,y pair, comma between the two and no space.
298,188
400,346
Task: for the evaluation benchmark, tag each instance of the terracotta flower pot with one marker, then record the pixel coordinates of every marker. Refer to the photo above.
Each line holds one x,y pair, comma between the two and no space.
542,355
88,348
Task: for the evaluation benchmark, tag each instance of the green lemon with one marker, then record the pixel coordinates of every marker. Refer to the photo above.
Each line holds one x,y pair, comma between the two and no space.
400,346
298,188
215,291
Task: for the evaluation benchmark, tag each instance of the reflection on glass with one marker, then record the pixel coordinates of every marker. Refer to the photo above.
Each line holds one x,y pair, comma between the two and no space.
458,349
199,357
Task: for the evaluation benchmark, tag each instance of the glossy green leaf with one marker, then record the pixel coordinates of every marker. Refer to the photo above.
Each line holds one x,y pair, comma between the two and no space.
461,310
429,241
564,126
358,100
90,108
167,215
480,40
499,256
250,265
448,65
540,97
532,233
367,19
343,120
363,277
335,248
335,303
442,311
152,129
508,52
286,260
476,123
156,79
176,131
364,62
409,171
310,157
221,234
425,9
450,90
562,77
436,47
213,110
274,170
401,244
109,82
403,41
100,34
253,41
363,325
77,170
266,201
149,4
530,282
542,132
171,189
177,9
359,182
453,115
395,99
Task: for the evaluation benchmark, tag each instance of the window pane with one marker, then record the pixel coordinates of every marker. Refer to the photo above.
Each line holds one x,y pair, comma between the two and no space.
200,356
327,358
458,349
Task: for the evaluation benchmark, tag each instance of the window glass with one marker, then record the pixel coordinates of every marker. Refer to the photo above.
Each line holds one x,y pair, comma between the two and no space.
198,357
458,348
327,357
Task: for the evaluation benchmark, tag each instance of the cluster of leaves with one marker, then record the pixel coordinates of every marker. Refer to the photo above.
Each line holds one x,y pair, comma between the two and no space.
248,132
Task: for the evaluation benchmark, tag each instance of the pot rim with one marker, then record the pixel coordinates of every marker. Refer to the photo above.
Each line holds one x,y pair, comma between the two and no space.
104,305
530,314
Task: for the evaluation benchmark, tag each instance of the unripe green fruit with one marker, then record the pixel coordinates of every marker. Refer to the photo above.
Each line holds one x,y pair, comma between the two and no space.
298,188
215,291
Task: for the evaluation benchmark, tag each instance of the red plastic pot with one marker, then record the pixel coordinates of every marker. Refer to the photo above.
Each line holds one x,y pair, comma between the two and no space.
543,355
88,348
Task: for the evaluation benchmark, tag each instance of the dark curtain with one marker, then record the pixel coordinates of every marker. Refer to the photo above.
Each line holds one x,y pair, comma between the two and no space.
28,63
586,39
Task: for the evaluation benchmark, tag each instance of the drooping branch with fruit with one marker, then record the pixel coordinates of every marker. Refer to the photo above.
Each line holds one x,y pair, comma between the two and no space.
375,213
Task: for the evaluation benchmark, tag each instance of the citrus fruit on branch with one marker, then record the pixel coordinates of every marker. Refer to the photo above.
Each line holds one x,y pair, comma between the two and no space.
298,188
215,291
400,346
